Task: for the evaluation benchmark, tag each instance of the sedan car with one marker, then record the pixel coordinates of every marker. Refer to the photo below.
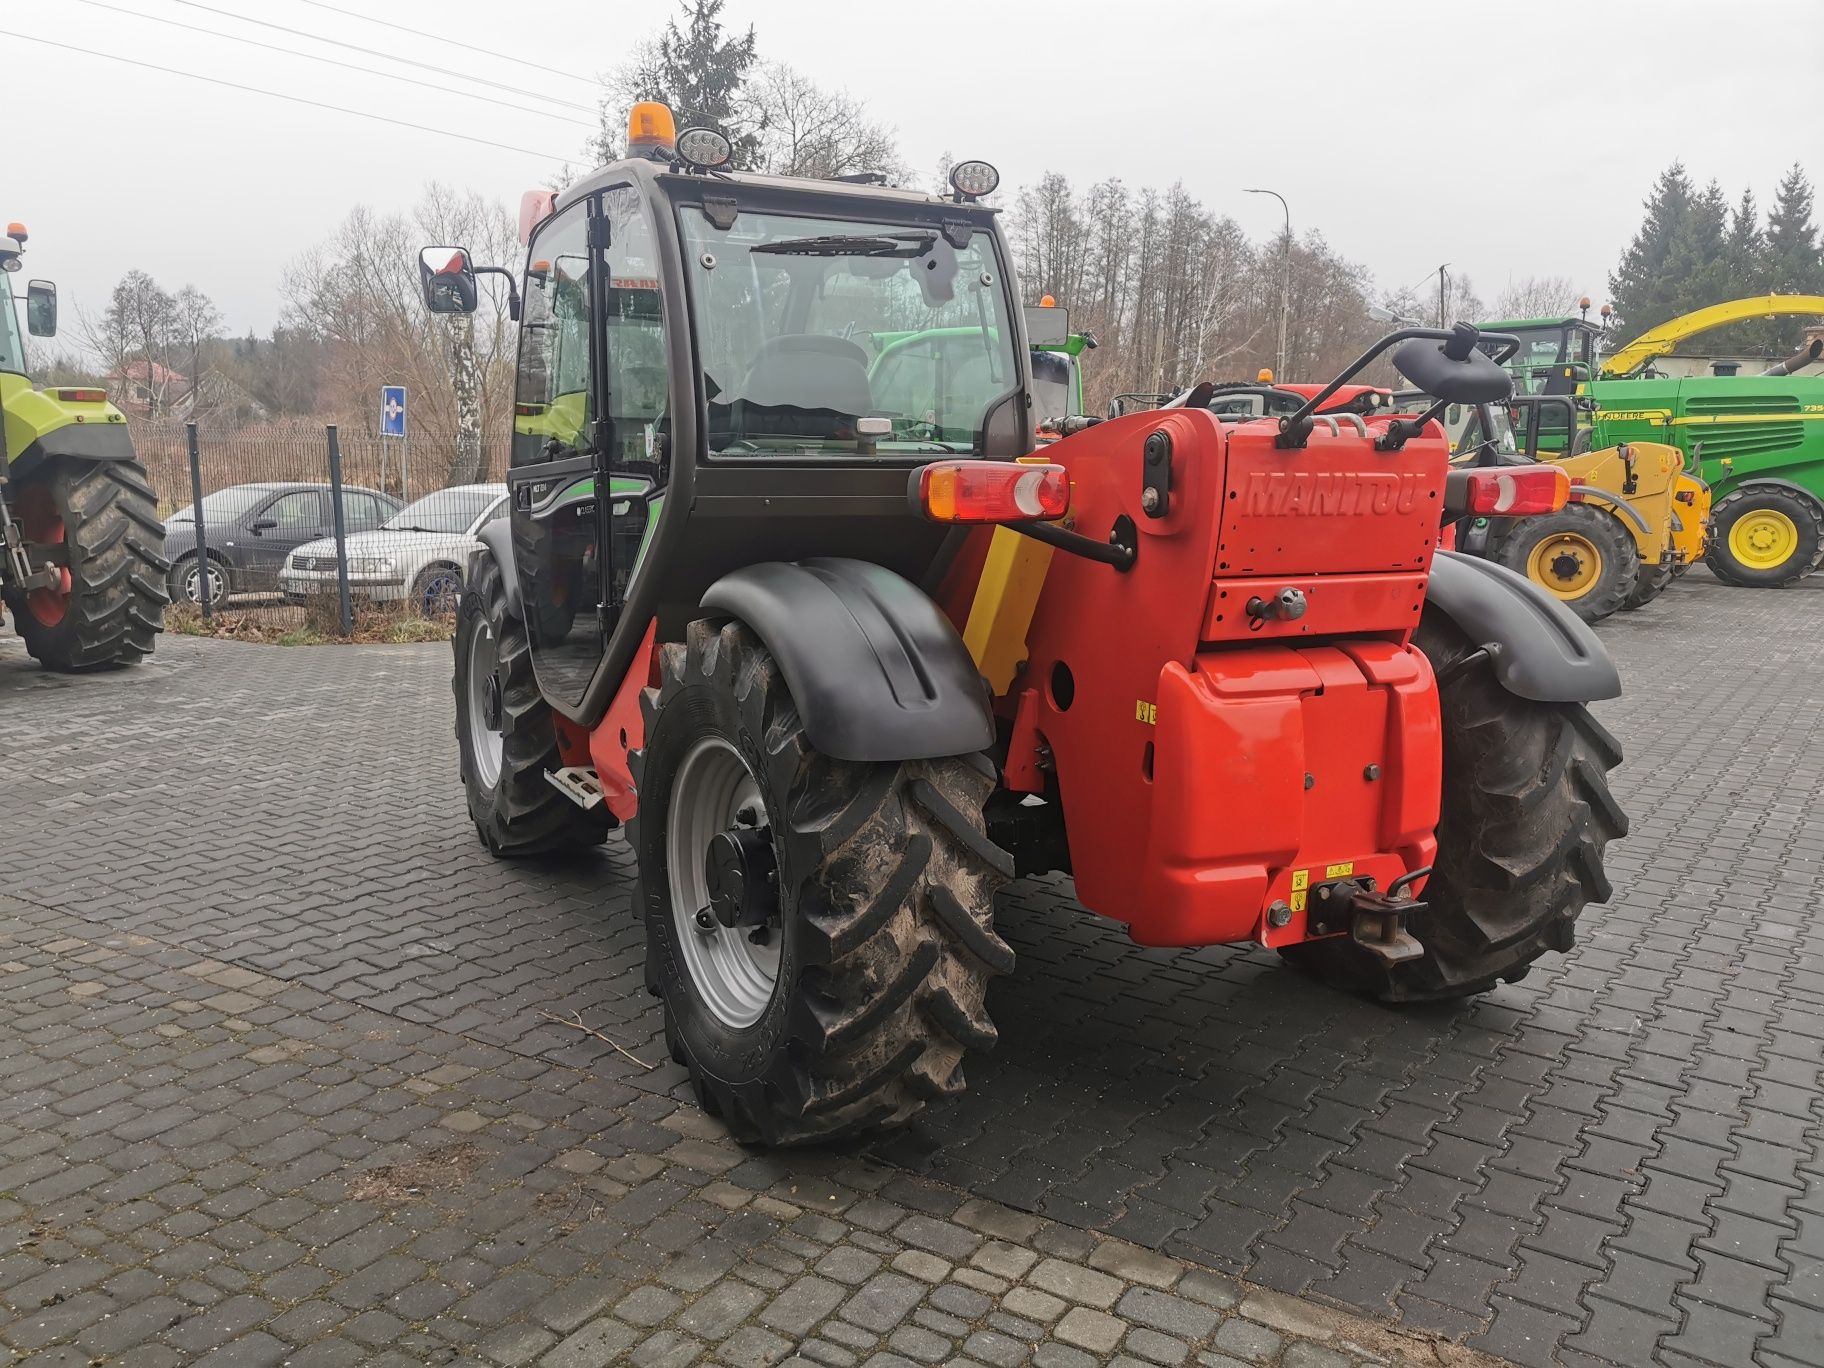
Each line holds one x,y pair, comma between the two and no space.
249,529
416,557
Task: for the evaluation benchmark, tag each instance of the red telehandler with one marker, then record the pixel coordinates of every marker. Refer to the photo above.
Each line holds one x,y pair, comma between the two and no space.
790,595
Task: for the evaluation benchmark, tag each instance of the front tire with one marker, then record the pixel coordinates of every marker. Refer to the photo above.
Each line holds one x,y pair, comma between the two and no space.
185,583
1580,555
856,989
1765,537
1526,817
111,604
505,737
437,591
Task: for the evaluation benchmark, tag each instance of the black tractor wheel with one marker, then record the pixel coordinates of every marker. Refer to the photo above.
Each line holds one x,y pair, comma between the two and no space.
821,931
110,604
1649,584
1765,537
505,736
1580,555
1526,816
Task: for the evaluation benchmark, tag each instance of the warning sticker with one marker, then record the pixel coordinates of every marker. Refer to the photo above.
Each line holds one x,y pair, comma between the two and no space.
1301,879
1298,900
1339,871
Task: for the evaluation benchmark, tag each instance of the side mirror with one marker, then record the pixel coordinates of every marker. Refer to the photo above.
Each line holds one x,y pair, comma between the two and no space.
263,525
41,308
1456,371
1047,325
447,278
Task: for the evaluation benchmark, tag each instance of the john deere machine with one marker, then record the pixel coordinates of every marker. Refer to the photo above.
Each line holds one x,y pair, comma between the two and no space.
845,655
1757,441
82,570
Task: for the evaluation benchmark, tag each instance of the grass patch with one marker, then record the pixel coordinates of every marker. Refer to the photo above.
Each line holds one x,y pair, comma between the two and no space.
307,627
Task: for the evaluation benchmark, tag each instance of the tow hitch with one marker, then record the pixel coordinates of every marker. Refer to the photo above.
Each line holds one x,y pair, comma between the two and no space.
1376,920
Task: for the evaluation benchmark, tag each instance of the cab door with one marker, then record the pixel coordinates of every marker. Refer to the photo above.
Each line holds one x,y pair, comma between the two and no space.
590,398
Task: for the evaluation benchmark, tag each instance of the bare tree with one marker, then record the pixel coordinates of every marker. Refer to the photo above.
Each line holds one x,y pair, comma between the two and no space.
194,321
810,130
1537,297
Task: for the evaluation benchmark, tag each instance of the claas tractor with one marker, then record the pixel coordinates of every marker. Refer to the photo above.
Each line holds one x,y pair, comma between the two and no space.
82,567
854,655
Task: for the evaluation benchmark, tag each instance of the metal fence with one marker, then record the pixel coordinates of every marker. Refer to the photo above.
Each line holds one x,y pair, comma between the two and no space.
317,533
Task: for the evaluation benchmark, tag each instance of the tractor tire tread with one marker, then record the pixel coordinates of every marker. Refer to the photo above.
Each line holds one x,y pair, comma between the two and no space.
1716,556
117,569
893,892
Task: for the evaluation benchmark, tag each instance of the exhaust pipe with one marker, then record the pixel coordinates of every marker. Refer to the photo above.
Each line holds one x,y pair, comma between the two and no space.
1799,359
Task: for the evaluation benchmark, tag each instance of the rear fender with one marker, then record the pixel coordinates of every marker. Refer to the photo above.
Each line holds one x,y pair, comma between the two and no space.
497,540
877,671
1539,649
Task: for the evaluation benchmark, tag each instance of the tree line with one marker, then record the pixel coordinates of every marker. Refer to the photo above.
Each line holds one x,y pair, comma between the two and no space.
1173,291
1695,248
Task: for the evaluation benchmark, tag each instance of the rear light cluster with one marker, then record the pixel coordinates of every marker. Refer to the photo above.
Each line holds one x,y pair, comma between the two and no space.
67,394
1508,491
990,491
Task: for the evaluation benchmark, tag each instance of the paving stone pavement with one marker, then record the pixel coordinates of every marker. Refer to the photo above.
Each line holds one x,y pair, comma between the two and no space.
1614,1161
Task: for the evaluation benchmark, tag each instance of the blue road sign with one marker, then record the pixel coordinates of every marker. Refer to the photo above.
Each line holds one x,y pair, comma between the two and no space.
392,410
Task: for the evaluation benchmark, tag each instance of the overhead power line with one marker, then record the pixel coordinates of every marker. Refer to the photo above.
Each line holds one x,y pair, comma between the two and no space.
278,95
387,56
337,62
542,68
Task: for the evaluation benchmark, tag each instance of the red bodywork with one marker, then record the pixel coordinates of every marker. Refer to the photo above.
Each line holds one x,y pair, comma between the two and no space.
1211,763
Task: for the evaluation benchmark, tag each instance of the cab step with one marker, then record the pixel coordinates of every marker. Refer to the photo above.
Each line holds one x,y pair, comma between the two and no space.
578,783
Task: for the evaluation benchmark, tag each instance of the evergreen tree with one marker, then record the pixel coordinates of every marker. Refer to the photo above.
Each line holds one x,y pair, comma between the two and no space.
702,74
1639,286
1745,273
1793,257
1698,269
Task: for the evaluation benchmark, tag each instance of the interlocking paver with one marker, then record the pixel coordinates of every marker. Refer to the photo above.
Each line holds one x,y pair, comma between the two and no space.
282,998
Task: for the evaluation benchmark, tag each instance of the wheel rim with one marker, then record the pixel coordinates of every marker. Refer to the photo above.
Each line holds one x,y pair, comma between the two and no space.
440,594
714,791
486,741
1566,564
193,585
1763,539
39,521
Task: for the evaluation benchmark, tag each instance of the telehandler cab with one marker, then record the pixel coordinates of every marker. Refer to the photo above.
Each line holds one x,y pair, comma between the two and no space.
803,610
82,567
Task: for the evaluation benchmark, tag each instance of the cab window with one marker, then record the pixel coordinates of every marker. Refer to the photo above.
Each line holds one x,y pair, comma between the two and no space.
552,407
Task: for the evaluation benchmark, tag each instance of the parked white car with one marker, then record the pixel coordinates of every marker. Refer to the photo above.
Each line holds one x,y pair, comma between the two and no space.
416,556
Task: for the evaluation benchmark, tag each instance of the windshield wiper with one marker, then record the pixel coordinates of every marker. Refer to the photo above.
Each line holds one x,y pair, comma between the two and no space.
848,244
409,527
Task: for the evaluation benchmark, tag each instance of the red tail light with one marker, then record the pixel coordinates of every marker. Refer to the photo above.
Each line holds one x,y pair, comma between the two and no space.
990,491
69,395
1508,491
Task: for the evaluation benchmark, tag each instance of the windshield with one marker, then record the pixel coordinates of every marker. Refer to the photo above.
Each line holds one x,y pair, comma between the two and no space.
448,510
12,344
807,326
1477,432
225,504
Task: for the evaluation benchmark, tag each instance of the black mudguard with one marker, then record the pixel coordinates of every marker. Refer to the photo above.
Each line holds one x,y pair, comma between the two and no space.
877,671
78,441
1539,649
497,537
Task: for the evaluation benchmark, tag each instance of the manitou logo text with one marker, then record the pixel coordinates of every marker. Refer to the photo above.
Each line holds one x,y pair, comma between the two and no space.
1342,494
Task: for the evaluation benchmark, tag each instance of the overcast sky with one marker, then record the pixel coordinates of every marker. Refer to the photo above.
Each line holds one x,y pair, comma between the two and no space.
1509,140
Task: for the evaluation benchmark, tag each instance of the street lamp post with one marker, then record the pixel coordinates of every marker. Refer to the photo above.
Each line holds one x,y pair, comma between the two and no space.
1285,280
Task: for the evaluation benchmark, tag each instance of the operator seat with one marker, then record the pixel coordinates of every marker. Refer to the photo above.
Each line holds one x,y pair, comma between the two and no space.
803,385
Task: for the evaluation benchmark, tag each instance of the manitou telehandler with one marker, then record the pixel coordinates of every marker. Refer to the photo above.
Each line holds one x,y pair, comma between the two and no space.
808,614
82,567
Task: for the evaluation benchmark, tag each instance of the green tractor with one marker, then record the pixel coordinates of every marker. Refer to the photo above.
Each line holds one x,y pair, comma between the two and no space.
82,570
1756,440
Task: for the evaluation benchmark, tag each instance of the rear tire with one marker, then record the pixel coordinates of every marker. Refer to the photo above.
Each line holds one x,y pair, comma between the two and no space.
1649,585
505,737
1526,816
1581,555
1765,537
883,912
185,587
114,605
